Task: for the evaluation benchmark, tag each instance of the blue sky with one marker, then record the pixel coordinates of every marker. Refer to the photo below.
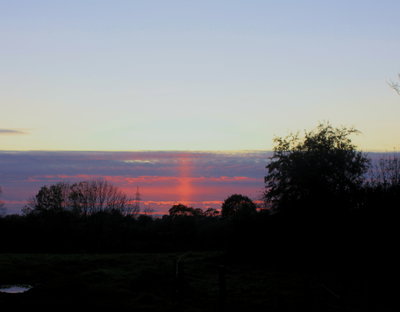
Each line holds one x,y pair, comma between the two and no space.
195,75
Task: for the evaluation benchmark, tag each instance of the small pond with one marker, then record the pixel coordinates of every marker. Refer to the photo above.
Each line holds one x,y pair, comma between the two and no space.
14,289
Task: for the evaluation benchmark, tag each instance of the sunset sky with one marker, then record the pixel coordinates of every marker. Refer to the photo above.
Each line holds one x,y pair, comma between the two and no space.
200,77
197,179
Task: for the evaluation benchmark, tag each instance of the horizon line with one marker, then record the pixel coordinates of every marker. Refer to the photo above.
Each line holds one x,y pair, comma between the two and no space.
142,150
169,151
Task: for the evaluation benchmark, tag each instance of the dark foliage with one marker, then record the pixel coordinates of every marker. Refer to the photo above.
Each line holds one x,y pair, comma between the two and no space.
238,205
320,173
180,210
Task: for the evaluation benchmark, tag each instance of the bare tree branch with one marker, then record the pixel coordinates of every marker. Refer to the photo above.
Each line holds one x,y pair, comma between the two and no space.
395,85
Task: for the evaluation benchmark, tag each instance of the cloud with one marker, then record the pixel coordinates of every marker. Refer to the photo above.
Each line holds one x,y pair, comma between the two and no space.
202,179
11,132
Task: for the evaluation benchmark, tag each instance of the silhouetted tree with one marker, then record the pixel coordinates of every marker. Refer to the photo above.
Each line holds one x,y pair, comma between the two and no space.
386,172
83,198
237,205
89,197
320,170
2,208
211,212
49,198
395,85
382,189
183,210
148,210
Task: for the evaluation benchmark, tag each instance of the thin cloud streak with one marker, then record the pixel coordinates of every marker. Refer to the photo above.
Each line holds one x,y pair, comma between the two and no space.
11,132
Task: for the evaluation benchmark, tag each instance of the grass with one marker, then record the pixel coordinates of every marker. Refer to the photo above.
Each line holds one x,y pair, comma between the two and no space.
144,282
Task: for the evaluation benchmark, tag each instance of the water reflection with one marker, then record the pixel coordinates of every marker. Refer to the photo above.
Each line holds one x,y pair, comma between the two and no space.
14,289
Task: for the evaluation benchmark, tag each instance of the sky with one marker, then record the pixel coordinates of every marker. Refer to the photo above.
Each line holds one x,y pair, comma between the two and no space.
93,75
197,179
163,178
184,98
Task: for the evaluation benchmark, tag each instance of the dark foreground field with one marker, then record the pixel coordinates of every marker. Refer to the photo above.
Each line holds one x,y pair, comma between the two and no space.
149,282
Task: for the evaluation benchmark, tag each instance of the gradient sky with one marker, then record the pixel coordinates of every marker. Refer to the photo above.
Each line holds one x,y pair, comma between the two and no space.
195,75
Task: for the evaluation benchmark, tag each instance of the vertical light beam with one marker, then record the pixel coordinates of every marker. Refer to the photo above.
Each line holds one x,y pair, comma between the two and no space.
185,188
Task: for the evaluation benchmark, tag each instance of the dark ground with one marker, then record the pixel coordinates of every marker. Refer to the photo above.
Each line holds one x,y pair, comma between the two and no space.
149,282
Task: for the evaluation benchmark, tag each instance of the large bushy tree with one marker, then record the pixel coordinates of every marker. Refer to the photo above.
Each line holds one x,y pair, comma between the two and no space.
315,172
183,210
237,205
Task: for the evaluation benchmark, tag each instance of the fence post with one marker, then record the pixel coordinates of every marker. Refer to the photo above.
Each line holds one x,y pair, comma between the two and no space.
179,279
222,287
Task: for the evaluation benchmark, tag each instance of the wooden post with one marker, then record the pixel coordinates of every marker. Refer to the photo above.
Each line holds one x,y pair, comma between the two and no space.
222,287
344,280
179,279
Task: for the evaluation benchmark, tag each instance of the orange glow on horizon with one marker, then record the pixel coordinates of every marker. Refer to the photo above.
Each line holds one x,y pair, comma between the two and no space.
162,192
185,188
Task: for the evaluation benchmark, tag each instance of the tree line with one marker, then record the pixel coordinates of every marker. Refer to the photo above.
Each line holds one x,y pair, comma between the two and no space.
83,198
324,200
